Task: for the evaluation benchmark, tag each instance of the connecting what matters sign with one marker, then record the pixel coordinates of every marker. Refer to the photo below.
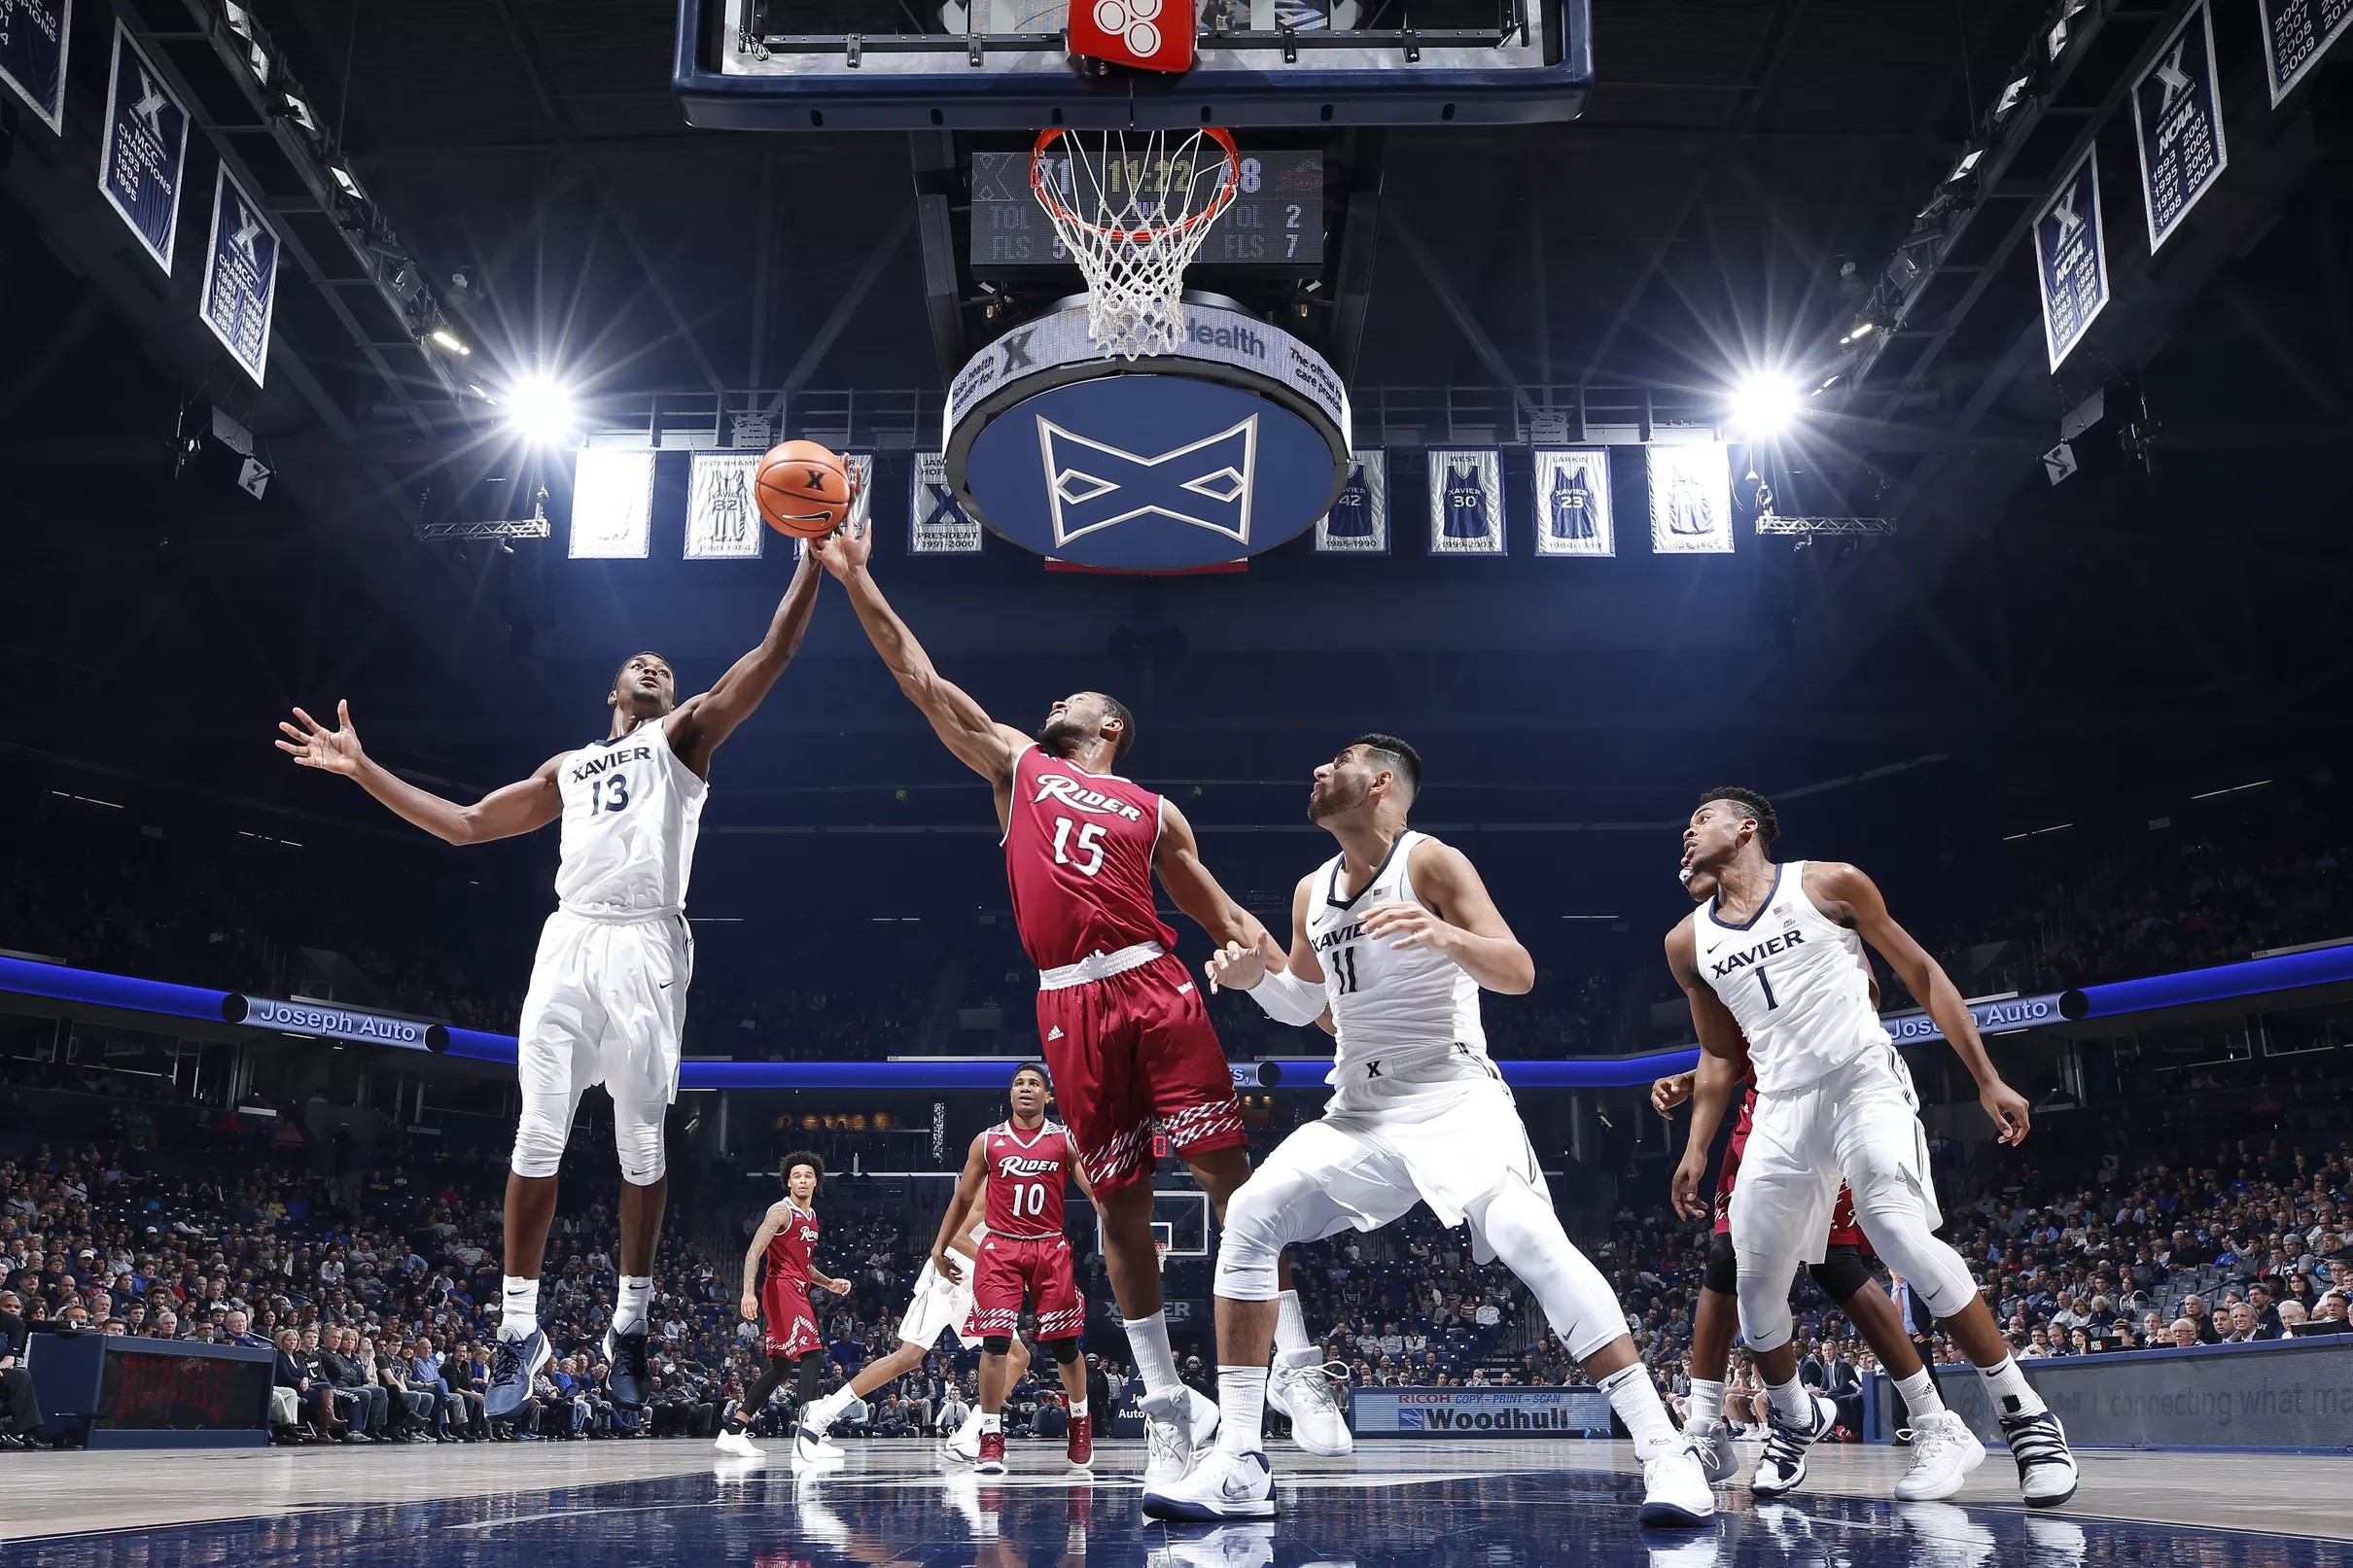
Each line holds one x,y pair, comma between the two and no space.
1479,1412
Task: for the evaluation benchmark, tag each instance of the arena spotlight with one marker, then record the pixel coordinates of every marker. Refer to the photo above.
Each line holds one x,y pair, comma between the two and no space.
345,182
540,410
1764,404
450,341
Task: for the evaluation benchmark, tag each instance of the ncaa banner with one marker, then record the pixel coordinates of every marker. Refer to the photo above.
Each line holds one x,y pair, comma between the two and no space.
33,39
144,152
937,522
1690,498
241,275
1359,522
2177,120
612,504
1466,500
2071,259
722,514
1572,501
2296,33
1479,1412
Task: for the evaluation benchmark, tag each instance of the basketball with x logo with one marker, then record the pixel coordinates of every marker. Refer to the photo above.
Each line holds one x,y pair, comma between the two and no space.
803,489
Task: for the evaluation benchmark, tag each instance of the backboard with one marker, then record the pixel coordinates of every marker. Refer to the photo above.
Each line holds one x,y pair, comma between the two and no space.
966,65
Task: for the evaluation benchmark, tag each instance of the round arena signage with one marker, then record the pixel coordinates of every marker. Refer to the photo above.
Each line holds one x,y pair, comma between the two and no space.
1232,445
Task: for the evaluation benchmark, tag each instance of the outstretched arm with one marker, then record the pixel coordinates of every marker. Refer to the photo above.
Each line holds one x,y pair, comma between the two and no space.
702,722
1846,891
522,807
1291,990
986,746
1178,860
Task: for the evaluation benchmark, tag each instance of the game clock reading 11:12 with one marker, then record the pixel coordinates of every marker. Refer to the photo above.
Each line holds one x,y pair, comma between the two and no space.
1275,219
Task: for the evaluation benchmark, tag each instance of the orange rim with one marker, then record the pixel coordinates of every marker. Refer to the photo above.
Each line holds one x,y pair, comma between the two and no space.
1217,204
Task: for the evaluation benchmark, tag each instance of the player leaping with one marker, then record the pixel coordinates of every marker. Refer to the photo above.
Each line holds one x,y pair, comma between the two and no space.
1122,1024
608,993
1396,936
1776,957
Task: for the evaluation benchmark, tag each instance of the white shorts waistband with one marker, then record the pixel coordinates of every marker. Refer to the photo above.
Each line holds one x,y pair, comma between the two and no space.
1099,966
622,916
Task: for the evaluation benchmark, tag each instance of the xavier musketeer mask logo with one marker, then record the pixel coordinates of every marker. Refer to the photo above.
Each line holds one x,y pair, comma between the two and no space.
1207,483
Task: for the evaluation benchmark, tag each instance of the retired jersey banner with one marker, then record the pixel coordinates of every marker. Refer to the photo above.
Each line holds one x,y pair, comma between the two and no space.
722,514
2071,259
862,474
2296,33
143,154
2177,117
1572,501
33,39
937,523
1359,522
1690,498
612,504
1466,500
241,275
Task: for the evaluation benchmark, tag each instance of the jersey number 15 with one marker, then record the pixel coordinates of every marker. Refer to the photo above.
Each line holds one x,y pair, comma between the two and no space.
1086,855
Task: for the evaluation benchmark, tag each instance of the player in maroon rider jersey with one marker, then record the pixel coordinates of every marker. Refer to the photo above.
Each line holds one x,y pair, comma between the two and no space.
795,1348
1121,1021
1021,1164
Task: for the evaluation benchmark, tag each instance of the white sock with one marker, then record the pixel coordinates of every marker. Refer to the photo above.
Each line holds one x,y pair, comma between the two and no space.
1292,1346
630,1302
1921,1398
1241,1409
1078,1409
2012,1394
518,1308
1155,1360
1791,1403
1635,1399
992,1423
1703,1405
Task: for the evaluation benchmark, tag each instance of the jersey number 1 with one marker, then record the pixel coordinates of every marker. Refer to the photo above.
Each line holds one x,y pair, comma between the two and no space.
1767,986
1089,856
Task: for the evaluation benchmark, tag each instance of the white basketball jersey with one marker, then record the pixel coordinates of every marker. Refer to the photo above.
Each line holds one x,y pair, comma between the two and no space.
631,812
1797,980
1387,1000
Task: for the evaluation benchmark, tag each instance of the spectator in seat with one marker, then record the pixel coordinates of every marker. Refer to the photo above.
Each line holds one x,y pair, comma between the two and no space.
2243,1327
2194,1308
2266,1311
2184,1334
412,1409
238,1333
314,1392
23,1417
364,1408
2292,1318
285,1392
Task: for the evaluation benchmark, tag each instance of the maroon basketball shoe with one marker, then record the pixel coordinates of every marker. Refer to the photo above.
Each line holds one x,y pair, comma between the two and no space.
992,1460
1082,1442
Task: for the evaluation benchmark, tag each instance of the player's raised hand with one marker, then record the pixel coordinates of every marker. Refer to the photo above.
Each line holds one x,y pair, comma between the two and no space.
844,551
1410,924
1672,1090
315,745
1687,1179
2008,1110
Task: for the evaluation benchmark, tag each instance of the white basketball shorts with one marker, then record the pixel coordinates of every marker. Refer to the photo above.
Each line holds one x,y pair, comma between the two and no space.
607,1004
1858,1122
939,1306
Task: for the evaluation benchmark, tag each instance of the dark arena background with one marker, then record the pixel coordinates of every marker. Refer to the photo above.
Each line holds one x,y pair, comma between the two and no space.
1934,415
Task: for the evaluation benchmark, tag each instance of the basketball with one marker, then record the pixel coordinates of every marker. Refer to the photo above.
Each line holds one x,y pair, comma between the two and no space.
804,489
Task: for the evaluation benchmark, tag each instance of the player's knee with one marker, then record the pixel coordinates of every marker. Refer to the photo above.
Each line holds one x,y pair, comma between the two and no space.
1066,1350
1840,1274
1764,1300
538,1144
639,1141
997,1344
1254,1237
1723,1272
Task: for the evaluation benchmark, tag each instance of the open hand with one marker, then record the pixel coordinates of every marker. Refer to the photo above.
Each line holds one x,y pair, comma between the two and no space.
315,745
1410,924
1241,968
844,551
1672,1090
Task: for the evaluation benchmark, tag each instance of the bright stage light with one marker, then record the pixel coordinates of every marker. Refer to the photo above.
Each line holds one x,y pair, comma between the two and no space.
450,340
1764,404
540,410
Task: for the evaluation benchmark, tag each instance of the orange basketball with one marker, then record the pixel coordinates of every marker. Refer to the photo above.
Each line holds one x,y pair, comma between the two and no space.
803,489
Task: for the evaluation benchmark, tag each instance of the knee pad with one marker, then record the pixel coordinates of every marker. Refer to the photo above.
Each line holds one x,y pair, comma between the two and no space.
637,1136
540,1134
1723,1272
1255,1236
1900,1233
1066,1349
1522,1226
1840,1274
1764,1297
997,1344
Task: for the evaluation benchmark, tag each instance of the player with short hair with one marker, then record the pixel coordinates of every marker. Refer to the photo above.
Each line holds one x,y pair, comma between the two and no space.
1394,937
794,1346
1021,1164
608,993
1774,959
1120,1021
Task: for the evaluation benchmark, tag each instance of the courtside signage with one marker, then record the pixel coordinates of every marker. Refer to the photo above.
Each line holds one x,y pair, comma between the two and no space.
2006,1016
328,1021
1438,1414
144,153
33,39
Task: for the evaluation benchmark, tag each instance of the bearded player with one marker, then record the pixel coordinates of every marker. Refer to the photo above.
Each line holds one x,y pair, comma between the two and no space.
1775,961
785,1241
608,993
1122,1024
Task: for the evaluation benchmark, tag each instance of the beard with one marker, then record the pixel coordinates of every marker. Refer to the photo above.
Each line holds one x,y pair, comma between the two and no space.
1063,736
1337,800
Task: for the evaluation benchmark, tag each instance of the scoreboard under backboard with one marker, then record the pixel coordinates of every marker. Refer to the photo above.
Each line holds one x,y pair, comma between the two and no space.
1276,222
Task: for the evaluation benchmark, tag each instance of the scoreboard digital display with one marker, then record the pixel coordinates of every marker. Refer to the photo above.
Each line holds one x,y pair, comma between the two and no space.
1276,221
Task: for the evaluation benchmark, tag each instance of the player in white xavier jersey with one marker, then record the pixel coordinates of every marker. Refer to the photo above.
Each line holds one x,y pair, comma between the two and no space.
1395,936
608,990
1777,956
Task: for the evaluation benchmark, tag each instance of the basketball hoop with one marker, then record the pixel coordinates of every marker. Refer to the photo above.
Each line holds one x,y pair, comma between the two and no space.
1134,215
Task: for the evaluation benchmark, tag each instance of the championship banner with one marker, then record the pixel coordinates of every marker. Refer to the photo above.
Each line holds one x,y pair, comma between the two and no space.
1466,500
1359,522
33,39
861,471
937,522
241,275
1690,498
2177,117
144,152
723,515
612,504
2296,33
1572,501
2071,259
1479,1412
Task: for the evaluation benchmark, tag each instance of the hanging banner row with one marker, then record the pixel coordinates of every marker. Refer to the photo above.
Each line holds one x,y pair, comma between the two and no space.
1571,510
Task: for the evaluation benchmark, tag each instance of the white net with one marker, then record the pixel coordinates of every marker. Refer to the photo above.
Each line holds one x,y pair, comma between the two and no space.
1133,208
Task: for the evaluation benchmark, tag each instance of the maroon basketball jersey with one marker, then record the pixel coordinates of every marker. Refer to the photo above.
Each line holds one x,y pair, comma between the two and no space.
1078,856
1027,1174
790,1248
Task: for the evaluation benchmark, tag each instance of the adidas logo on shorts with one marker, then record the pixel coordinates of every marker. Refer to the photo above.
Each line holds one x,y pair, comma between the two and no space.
1054,1034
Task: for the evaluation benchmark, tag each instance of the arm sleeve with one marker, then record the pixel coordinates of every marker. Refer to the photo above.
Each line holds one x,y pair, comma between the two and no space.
1288,1000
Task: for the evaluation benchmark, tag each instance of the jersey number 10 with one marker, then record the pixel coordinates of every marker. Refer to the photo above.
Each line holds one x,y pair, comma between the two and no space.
1028,1200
